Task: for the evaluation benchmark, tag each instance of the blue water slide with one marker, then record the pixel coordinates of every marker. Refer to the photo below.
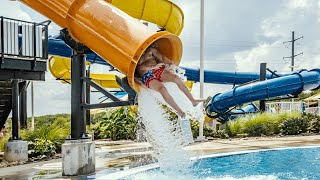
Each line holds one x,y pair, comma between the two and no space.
218,77
58,47
291,84
233,114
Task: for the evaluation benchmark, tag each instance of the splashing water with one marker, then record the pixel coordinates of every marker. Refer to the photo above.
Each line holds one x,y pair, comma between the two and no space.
165,135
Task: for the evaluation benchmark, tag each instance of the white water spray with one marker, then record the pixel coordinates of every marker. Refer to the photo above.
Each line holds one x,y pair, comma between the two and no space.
165,135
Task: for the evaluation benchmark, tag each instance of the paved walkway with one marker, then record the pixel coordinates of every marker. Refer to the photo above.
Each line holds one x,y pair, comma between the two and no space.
114,156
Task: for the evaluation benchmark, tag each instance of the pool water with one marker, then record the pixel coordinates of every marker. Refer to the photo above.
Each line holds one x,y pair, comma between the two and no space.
296,163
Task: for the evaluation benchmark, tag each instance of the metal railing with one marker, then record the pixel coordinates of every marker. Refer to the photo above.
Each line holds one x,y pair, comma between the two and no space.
22,39
313,110
285,106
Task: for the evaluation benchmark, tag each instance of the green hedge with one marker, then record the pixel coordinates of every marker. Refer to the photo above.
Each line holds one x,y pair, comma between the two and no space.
273,124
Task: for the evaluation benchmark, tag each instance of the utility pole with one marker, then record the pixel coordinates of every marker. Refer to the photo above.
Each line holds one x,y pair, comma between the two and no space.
292,50
201,137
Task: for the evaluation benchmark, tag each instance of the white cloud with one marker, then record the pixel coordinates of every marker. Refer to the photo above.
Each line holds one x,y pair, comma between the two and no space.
12,9
302,16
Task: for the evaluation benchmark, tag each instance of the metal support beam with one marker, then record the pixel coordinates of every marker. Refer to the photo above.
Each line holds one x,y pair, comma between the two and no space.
34,46
263,76
1,41
15,110
106,105
23,106
78,70
88,99
100,89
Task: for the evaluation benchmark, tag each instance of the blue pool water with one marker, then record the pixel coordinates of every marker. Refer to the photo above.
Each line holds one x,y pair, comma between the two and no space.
301,163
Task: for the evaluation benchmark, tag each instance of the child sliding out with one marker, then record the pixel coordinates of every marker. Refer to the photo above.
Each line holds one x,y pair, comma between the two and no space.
151,72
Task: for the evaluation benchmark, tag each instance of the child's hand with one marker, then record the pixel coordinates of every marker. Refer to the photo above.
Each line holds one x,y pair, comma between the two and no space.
159,65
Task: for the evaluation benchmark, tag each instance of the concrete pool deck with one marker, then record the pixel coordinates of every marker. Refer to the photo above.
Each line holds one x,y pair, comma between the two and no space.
113,156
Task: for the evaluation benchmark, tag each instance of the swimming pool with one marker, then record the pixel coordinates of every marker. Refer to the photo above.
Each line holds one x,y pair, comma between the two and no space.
282,163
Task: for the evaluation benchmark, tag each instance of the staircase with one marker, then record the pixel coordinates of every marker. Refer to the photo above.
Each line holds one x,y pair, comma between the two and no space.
5,101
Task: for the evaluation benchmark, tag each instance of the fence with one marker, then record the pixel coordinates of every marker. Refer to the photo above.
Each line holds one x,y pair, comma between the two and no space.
313,110
22,39
285,106
291,106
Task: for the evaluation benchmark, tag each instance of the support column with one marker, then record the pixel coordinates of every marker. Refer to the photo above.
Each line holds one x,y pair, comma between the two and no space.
88,99
78,128
263,76
78,152
15,110
23,108
15,149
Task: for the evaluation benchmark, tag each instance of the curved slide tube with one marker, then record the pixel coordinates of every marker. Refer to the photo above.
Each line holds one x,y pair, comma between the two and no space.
220,77
291,84
58,47
250,108
114,35
163,13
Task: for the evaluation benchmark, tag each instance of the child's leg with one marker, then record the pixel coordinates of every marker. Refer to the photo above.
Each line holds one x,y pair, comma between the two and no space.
168,76
158,86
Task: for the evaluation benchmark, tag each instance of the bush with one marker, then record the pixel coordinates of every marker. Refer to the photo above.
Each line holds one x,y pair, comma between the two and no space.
220,134
314,123
195,128
121,123
258,130
294,126
53,134
3,141
258,125
207,132
41,147
235,127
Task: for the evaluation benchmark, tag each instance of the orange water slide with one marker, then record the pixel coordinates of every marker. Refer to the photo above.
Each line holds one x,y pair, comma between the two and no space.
114,35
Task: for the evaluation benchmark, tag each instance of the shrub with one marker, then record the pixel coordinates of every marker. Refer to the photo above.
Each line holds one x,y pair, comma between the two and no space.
221,134
53,134
260,124
208,132
314,123
294,126
95,118
121,123
3,141
41,147
195,128
235,127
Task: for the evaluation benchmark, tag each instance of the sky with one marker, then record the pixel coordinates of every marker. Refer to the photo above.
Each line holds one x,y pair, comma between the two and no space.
239,35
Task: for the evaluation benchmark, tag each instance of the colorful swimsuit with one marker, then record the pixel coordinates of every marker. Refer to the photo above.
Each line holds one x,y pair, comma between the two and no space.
151,75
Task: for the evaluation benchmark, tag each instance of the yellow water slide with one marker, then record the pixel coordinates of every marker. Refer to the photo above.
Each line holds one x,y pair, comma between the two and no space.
114,35
60,68
163,13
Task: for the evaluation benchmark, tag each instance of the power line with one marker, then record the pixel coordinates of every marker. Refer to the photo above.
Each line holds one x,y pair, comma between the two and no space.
292,50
